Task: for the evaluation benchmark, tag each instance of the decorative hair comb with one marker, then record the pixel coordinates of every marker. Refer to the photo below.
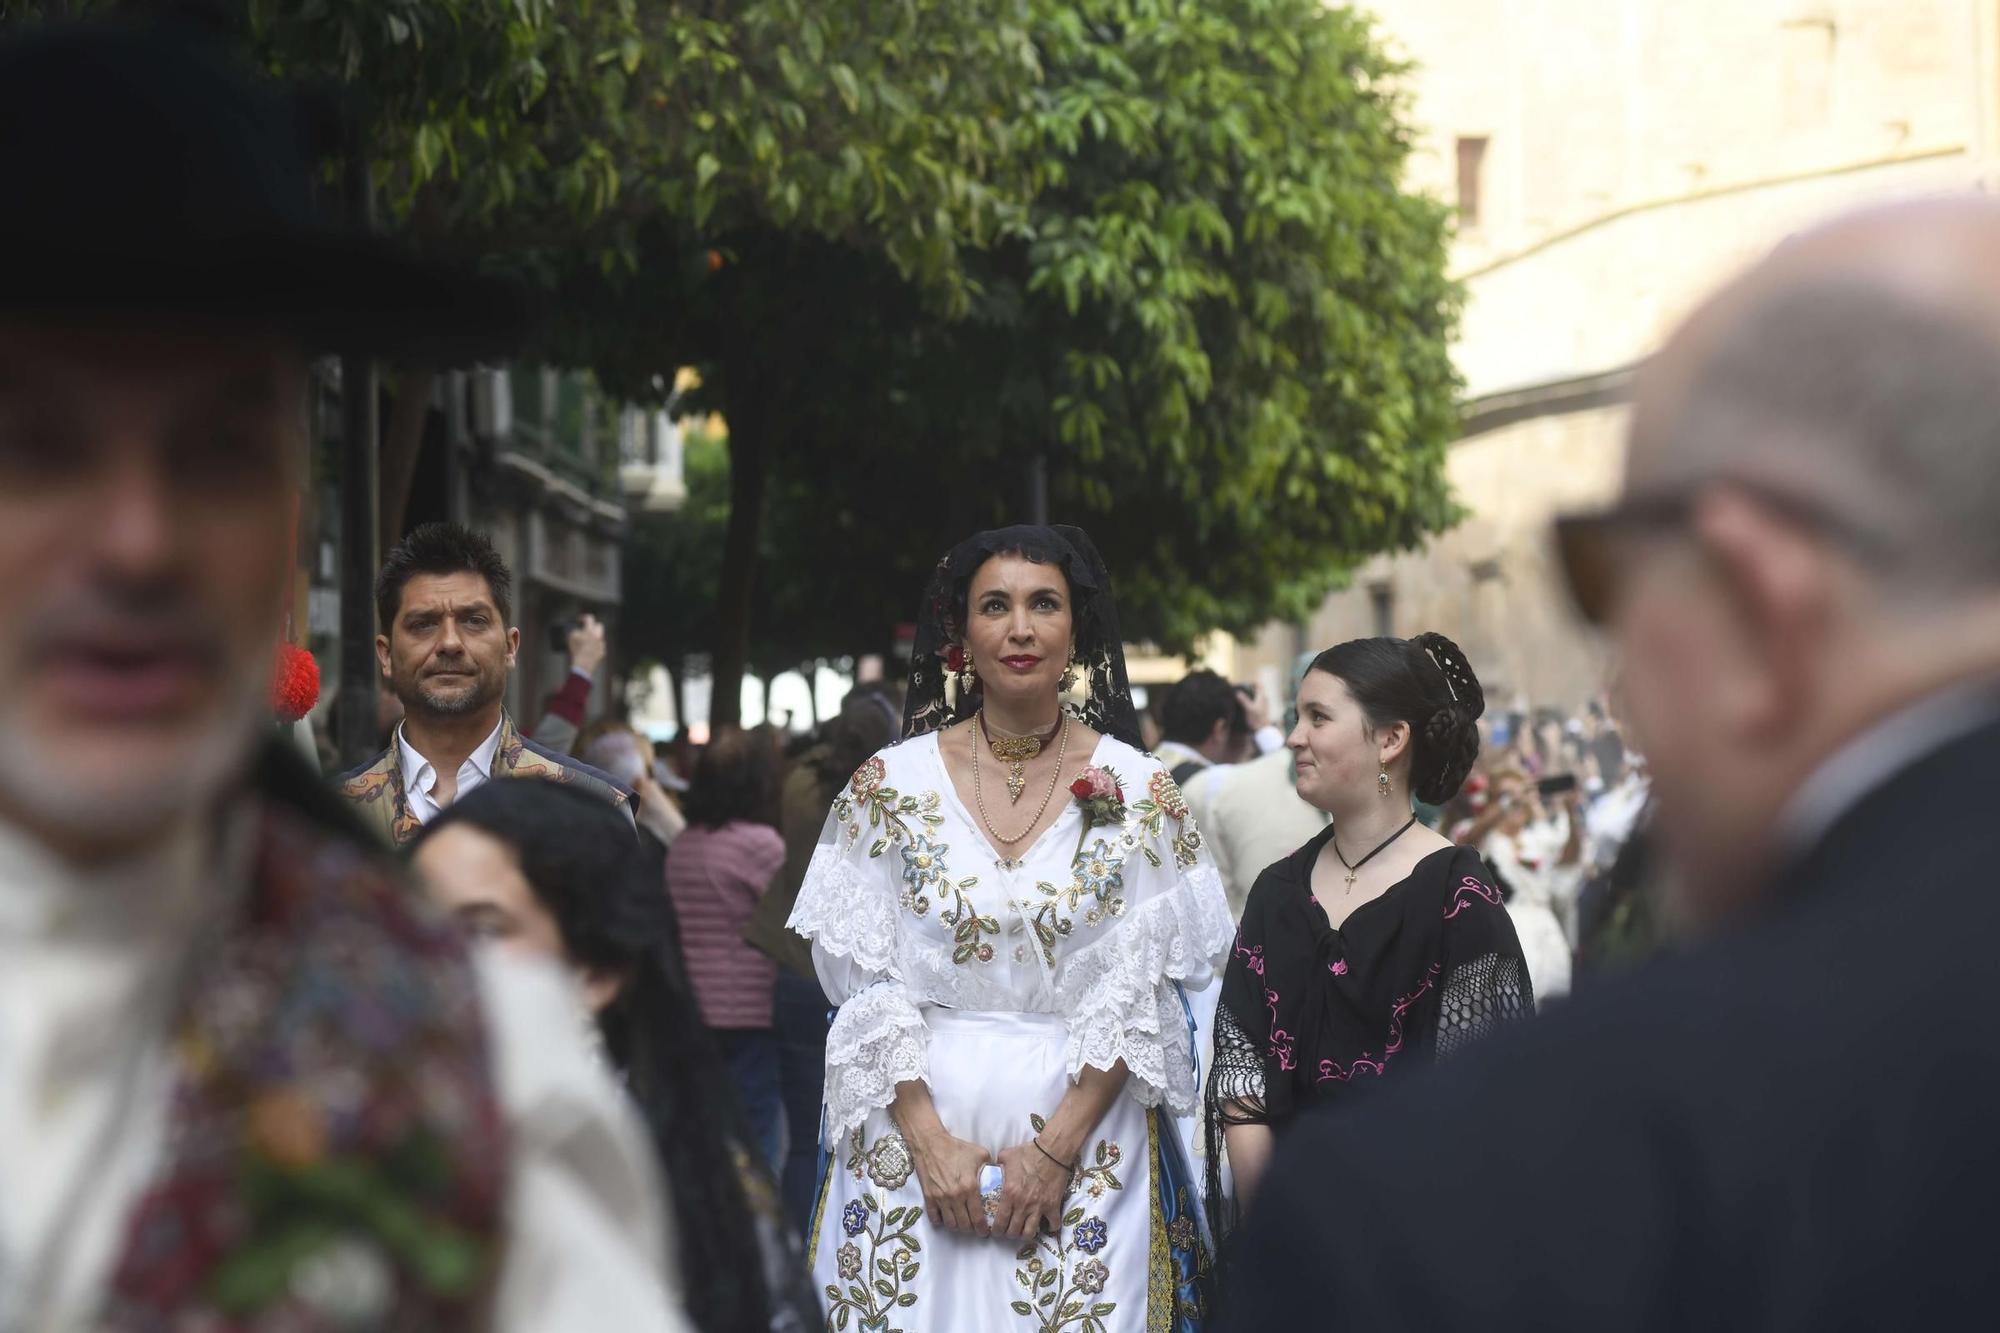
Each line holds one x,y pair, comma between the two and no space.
1442,672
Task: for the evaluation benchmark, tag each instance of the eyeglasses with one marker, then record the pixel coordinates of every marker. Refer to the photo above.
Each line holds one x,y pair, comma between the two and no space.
1587,544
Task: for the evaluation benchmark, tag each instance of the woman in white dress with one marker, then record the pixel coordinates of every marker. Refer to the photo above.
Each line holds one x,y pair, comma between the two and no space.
1008,907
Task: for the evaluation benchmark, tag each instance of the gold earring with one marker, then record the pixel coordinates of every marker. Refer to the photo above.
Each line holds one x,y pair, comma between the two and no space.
1382,783
1068,681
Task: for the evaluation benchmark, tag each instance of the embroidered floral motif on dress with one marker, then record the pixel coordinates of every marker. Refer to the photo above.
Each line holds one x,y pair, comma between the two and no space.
878,1262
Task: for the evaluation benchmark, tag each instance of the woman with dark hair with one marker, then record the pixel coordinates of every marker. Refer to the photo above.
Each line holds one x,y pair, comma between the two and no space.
717,869
1379,943
1005,907
541,868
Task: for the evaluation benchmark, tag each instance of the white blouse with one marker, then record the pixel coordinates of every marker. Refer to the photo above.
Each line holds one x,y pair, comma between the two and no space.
908,905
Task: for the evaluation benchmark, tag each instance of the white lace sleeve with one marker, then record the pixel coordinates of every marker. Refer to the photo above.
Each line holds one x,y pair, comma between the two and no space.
847,908
1120,987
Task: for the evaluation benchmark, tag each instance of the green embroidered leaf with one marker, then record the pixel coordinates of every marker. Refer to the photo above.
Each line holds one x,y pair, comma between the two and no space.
880,846
1092,1326
1111,1180
1046,1301
1072,1217
1102,1149
907,1299
874,815
1023,1309
1048,1279
1022,1278
887,1291
868,1202
858,1295
886,1267
1070,1310
1039,1123
911,1242
963,952
840,1320
1099,1311
833,1294
895,1217
910,1273
1152,856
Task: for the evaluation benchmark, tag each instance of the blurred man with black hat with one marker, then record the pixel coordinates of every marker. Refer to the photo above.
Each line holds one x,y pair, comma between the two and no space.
244,1081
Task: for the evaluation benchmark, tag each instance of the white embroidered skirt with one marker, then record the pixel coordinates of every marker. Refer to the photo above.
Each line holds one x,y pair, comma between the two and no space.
879,1263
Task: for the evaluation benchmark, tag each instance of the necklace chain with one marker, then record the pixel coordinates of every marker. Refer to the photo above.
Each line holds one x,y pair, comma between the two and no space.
979,794
1354,870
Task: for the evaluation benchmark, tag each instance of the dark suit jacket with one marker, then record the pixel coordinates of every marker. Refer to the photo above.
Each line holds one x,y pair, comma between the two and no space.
376,788
1793,1127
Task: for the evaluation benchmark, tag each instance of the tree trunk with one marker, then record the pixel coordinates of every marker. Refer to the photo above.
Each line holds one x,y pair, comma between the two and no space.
677,682
402,445
737,587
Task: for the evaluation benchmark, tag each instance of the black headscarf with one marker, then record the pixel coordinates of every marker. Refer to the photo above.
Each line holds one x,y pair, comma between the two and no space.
1099,651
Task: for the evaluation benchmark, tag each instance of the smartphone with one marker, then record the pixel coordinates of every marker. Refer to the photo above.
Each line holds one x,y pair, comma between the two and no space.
1556,784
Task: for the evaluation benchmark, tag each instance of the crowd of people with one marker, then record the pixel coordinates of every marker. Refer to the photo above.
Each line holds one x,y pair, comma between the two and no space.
530,1031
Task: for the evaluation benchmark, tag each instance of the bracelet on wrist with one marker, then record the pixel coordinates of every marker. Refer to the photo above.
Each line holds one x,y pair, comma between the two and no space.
1037,1141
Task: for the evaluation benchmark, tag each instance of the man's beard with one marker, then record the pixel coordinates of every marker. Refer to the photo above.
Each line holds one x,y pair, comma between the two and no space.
482,691
36,784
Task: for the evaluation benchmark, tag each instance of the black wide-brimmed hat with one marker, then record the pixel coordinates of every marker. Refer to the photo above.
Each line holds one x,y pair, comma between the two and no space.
143,170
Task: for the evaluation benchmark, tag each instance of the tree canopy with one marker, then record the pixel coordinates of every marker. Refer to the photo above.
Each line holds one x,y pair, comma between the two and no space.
1161,246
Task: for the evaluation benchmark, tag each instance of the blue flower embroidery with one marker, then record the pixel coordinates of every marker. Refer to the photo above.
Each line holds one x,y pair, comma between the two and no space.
1100,874
854,1218
1090,1235
923,863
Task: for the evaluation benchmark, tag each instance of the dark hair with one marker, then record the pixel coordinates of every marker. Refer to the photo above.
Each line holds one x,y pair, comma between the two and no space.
1427,683
605,893
1192,708
735,777
441,548
867,721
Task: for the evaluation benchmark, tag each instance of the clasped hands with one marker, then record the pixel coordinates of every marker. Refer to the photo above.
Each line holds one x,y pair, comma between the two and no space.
1033,1186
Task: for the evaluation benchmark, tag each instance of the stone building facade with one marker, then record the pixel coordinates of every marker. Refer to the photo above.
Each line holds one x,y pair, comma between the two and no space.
1612,160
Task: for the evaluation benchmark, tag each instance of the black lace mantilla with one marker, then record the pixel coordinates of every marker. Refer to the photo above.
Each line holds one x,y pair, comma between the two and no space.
1099,652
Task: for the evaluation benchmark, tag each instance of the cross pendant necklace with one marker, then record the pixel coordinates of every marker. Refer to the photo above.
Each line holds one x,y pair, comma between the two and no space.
1355,869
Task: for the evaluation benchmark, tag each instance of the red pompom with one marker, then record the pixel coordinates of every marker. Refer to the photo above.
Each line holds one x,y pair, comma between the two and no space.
295,686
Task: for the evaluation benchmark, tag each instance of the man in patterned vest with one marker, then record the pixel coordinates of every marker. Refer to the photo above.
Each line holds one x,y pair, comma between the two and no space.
447,644
246,1081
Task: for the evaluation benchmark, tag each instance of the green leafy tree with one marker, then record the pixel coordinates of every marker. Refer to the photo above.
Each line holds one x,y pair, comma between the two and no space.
1223,326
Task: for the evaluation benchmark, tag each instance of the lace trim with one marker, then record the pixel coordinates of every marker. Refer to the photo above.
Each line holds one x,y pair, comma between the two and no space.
1236,1077
845,910
1479,996
878,1039
1125,1010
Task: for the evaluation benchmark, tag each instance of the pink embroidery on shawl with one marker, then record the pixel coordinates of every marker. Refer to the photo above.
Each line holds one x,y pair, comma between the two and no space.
1459,902
1281,1040
1332,1072
1253,957
1338,967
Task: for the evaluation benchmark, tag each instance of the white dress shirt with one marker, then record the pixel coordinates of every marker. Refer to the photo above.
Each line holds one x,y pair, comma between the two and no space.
420,778
91,964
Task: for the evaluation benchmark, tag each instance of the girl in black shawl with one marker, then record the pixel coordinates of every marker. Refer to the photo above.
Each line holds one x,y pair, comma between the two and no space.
1379,945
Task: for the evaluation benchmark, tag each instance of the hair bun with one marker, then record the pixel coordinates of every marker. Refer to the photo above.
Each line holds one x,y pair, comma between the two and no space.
1461,685
1450,738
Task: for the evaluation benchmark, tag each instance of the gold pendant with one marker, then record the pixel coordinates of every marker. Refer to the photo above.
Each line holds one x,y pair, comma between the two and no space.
1015,752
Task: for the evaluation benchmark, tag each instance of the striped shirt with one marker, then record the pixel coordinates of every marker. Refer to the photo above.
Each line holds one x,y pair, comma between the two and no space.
715,877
